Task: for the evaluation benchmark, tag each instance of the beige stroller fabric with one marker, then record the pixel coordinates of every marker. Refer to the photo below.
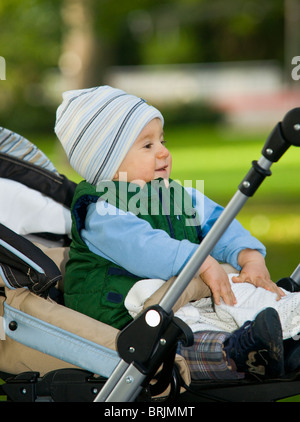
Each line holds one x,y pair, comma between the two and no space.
16,358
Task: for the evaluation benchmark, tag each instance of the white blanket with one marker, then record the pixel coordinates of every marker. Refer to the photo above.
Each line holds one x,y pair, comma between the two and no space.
25,210
205,315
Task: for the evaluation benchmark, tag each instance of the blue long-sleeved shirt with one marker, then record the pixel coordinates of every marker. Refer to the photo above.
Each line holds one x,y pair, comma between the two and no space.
132,243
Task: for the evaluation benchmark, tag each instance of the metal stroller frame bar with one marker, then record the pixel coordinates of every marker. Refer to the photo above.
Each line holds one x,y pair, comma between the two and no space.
139,363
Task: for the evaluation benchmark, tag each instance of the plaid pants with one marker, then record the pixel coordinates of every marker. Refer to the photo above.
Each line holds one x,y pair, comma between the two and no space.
206,359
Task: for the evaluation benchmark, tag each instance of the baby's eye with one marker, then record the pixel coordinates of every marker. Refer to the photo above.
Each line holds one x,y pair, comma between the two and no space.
163,142
148,146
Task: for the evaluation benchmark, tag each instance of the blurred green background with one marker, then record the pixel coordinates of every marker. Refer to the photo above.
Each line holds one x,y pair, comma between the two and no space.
221,73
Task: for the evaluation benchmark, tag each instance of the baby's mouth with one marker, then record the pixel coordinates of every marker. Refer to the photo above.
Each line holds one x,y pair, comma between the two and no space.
164,168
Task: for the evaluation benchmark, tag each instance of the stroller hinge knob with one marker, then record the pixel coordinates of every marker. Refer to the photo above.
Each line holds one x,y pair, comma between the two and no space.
246,184
13,325
153,318
269,151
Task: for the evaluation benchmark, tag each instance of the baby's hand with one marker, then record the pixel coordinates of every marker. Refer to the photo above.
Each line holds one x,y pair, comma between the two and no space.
254,271
216,279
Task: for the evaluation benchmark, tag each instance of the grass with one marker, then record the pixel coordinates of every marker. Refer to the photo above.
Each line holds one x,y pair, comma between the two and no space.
221,157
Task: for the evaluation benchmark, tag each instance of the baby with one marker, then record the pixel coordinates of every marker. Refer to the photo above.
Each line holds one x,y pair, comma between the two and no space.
115,141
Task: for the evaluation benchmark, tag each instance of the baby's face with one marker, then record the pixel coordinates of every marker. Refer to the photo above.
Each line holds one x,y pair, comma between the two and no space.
148,158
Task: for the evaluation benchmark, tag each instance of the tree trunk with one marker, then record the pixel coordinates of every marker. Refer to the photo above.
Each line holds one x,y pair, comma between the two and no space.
79,48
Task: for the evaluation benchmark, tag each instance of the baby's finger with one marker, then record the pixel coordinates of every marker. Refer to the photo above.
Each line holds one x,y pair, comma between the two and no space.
241,278
275,289
217,298
227,296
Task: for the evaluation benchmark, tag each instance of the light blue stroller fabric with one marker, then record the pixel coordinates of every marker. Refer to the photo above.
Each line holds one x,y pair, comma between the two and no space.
17,146
59,343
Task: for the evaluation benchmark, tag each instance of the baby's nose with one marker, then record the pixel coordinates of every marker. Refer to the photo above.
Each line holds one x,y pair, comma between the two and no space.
163,152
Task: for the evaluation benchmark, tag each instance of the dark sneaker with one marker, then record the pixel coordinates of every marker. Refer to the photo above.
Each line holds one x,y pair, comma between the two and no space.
257,347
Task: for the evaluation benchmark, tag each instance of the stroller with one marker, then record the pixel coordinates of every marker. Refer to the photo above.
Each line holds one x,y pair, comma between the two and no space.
51,353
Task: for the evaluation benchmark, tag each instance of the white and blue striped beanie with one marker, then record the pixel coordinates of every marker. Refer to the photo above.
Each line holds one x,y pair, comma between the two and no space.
98,126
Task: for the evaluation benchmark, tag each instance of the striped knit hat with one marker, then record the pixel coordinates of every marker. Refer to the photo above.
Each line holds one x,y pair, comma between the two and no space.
98,126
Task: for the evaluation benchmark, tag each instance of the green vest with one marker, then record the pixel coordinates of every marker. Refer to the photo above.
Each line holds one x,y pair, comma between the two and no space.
94,285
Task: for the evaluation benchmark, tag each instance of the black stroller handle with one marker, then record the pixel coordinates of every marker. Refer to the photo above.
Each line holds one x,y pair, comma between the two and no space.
284,134
291,127
126,381
292,283
296,275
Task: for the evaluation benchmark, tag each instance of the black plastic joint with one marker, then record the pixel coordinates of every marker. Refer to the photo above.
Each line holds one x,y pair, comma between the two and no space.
146,344
276,145
288,284
253,179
